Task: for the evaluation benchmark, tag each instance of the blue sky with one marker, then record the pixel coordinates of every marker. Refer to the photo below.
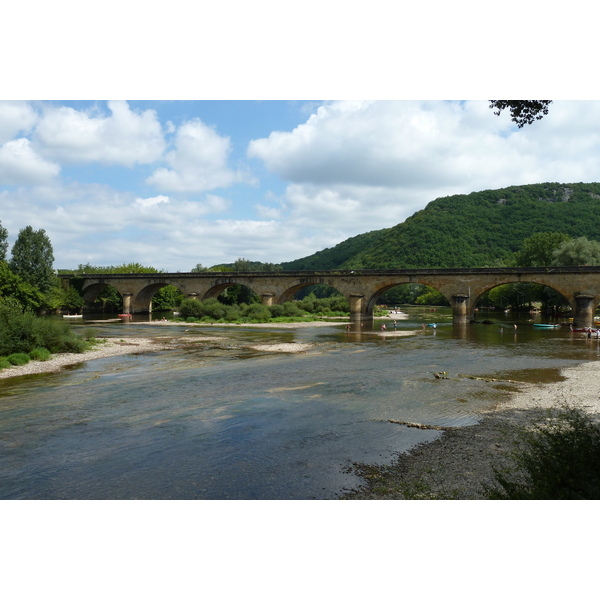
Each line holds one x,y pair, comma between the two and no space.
173,184
239,131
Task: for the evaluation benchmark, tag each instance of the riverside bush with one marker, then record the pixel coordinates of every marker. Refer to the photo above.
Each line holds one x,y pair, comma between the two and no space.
257,313
21,331
40,354
4,364
558,459
18,359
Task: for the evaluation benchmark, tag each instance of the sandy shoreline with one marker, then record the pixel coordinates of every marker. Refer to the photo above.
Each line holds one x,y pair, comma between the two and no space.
107,348
110,347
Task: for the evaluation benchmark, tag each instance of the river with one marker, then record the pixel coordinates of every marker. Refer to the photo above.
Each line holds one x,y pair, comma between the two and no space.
217,420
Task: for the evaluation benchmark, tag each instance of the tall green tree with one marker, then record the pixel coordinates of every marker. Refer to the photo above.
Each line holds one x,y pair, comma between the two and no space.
13,286
538,249
3,242
577,252
33,259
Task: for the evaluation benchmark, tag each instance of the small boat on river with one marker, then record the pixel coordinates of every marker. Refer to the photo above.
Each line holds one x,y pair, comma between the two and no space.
547,325
72,316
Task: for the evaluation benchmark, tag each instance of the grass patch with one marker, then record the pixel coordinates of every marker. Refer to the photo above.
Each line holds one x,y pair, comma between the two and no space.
4,364
40,354
18,359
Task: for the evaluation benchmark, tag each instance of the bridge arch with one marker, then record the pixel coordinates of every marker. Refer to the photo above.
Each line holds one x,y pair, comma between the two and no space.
218,290
142,302
475,300
289,294
91,292
371,302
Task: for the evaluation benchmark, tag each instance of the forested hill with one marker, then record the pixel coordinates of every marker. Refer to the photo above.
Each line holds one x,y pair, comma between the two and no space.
475,230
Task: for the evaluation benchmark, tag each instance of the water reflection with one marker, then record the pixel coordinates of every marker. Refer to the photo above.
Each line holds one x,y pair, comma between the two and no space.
216,419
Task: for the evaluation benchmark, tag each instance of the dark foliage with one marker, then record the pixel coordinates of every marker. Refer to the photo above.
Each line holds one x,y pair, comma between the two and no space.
522,112
559,459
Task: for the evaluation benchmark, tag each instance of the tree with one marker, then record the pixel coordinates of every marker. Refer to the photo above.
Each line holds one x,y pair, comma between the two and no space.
199,269
522,112
538,249
3,242
242,265
13,286
33,259
577,252
124,268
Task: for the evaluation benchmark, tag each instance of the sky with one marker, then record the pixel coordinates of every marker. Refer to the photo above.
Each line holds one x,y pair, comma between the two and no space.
176,183
269,132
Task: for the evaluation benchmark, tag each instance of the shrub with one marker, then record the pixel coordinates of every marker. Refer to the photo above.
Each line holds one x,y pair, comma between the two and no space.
40,354
232,313
4,364
18,359
558,459
22,331
291,309
258,313
89,334
190,307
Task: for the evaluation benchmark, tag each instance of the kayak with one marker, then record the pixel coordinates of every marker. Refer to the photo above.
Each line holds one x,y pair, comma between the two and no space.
546,325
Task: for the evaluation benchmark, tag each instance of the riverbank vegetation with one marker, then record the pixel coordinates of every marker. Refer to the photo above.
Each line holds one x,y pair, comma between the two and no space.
308,309
556,459
26,336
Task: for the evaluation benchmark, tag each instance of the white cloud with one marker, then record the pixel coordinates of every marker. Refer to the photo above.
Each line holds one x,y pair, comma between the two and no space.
392,144
151,202
198,163
351,167
358,166
15,117
123,138
20,165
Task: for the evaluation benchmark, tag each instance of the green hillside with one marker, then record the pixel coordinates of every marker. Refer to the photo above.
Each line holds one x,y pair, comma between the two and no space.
475,230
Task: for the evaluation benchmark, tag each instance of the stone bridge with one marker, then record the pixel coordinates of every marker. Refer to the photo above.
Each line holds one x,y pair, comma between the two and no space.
462,287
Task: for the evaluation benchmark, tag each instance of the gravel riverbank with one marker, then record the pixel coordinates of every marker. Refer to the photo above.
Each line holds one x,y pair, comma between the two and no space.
459,464
105,349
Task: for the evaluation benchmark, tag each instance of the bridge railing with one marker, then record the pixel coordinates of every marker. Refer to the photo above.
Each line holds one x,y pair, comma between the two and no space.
338,272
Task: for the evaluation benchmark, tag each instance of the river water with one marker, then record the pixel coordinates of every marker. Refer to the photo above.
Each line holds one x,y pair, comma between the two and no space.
217,420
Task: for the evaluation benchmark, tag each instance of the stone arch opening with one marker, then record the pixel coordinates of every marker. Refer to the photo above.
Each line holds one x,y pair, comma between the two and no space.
522,298
232,293
157,297
102,298
418,292
413,294
316,298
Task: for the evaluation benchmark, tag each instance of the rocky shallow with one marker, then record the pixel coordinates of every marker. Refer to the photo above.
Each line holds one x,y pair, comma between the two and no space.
459,464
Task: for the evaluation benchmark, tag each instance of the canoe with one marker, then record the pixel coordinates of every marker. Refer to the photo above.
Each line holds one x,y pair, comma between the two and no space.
546,325
72,316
